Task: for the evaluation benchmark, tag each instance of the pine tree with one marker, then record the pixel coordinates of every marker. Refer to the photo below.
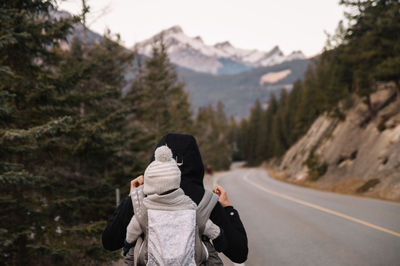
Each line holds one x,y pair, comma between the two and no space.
29,125
254,134
234,139
159,97
268,143
103,150
310,102
211,132
371,42
291,111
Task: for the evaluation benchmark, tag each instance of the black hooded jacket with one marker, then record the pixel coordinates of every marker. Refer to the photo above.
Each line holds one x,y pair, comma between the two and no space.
186,151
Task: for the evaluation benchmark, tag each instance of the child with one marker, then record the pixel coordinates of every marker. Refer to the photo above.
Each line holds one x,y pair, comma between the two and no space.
167,218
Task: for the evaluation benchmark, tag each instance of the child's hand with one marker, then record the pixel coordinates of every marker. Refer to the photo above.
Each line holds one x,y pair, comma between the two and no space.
138,181
223,197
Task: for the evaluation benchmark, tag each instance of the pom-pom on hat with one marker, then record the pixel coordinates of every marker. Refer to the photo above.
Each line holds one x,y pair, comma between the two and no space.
162,174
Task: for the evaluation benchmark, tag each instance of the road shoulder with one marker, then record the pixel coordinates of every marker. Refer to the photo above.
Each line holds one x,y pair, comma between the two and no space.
346,187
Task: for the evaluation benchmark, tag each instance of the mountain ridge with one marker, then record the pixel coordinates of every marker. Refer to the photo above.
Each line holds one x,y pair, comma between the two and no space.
220,58
237,85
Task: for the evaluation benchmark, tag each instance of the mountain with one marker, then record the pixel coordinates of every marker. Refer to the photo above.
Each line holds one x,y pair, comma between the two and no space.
77,31
221,58
237,84
239,91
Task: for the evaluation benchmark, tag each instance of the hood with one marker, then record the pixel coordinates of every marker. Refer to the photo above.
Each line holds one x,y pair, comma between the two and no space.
184,149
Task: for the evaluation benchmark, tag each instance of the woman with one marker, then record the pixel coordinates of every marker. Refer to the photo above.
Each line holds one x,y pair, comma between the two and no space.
186,151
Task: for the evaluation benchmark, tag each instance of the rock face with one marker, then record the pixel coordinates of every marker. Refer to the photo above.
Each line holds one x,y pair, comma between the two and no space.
362,152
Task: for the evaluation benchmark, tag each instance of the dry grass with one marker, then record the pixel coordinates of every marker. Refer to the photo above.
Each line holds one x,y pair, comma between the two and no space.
348,186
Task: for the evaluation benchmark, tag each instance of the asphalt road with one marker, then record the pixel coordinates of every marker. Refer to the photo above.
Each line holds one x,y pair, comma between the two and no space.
293,225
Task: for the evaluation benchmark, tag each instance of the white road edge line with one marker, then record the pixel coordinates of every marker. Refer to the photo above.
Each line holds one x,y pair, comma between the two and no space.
320,208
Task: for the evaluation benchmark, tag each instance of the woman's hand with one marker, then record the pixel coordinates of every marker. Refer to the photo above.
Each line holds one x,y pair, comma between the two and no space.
138,181
223,197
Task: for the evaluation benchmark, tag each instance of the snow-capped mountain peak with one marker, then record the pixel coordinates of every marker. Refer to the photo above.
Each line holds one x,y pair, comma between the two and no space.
198,38
296,55
276,50
223,45
223,57
173,30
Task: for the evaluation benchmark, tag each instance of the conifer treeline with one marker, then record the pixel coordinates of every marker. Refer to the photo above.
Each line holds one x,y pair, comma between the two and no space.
68,138
212,131
65,144
367,50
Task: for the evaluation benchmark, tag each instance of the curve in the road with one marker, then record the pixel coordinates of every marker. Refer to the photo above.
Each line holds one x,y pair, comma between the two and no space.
320,208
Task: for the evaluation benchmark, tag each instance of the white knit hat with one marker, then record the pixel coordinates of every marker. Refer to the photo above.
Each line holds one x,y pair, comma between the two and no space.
162,174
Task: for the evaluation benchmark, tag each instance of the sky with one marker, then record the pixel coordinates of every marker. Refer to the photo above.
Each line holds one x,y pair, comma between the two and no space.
248,24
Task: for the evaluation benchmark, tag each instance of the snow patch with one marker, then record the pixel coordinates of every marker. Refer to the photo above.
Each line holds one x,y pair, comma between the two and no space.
273,77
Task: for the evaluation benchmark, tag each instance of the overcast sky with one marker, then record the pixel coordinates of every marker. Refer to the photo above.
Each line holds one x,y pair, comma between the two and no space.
249,24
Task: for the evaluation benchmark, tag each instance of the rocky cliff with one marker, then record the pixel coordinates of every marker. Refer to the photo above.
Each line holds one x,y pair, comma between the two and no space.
357,154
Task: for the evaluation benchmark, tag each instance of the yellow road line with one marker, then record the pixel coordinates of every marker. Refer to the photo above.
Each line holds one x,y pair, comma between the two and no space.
320,208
